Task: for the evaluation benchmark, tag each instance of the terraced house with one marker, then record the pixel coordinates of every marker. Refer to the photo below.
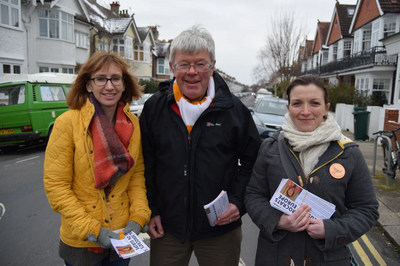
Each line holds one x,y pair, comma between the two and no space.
360,46
115,30
43,36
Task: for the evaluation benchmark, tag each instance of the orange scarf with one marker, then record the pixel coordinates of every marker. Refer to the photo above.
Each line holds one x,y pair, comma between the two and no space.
111,158
191,111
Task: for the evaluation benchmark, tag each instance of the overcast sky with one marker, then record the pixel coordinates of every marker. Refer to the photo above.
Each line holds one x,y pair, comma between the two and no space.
239,27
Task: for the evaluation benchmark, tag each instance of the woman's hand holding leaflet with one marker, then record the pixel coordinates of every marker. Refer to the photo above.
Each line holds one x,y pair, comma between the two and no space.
316,229
298,221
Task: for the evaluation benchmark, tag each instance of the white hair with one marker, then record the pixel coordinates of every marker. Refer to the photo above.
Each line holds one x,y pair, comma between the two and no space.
192,41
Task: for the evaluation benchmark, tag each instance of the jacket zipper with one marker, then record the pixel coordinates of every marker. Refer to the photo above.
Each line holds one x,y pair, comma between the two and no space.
313,171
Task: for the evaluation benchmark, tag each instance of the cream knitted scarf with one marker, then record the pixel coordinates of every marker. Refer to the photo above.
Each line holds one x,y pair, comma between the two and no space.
311,145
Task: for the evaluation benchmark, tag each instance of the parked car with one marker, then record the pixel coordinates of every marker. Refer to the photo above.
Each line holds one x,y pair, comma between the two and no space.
136,107
261,93
268,115
29,105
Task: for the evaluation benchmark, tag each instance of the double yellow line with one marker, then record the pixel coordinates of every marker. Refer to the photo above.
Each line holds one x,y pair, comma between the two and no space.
364,257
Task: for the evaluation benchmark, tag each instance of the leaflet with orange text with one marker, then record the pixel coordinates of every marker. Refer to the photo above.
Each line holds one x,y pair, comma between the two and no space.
289,196
130,246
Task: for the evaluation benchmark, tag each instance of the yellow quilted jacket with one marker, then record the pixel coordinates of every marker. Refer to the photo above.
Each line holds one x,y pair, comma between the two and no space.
69,181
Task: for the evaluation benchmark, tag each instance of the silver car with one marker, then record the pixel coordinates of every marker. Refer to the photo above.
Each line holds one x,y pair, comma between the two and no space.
136,107
268,115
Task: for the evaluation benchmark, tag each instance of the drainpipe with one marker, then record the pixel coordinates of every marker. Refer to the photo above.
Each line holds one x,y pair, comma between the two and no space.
93,44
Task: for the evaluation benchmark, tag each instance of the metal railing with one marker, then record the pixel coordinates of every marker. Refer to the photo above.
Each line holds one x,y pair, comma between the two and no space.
374,56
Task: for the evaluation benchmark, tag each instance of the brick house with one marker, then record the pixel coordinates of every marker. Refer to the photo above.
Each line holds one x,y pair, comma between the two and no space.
358,55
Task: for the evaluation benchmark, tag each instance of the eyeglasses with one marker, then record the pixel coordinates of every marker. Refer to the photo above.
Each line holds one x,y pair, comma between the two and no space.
116,81
199,67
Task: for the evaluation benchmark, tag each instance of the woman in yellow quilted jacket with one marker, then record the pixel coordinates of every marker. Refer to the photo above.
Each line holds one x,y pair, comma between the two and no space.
93,169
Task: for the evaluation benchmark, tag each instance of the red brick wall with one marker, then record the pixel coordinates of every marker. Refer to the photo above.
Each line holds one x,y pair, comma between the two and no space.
368,11
389,124
335,31
317,45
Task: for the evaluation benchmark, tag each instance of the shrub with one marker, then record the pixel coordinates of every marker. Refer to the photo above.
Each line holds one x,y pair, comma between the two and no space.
347,94
149,86
343,93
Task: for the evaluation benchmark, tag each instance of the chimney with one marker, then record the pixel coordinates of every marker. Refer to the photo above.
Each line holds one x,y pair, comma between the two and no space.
124,13
155,32
114,6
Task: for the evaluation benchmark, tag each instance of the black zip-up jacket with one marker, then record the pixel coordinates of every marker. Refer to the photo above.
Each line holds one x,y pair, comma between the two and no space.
184,172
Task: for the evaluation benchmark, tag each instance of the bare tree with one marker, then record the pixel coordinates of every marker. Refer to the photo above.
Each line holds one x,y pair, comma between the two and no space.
279,55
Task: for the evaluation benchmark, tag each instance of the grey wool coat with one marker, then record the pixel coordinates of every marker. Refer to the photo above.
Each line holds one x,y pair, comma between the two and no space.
353,194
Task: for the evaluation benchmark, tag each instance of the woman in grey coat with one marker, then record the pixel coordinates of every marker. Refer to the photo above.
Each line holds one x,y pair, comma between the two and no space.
315,147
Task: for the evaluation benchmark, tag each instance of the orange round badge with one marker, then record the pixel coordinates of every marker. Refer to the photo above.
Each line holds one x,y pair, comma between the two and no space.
337,170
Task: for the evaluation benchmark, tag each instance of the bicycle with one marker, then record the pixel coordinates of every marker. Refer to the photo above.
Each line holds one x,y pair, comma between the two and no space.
390,157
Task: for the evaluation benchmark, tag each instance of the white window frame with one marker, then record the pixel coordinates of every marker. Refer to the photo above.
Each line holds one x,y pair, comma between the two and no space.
103,45
81,39
118,45
375,33
129,48
161,64
55,24
147,55
315,60
10,13
67,70
324,60
382,85
67,27
43,69
14,69
334,52
57,69
366,40
138,53
357,41
346,47
389,26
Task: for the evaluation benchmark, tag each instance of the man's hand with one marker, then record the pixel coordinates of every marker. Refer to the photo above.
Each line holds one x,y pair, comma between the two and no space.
231,215
316,229
296,222
155,228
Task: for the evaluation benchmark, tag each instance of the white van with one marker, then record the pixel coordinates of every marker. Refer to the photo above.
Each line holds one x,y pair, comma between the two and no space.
261,93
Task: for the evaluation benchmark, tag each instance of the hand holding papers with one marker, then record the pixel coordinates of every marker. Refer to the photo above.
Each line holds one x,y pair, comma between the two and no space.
129,246
217,207
289,196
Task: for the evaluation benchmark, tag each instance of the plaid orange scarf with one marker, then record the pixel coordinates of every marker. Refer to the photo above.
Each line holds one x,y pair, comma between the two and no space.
111,158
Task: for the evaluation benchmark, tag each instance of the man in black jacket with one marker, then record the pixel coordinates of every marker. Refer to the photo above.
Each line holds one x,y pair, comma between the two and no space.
194,133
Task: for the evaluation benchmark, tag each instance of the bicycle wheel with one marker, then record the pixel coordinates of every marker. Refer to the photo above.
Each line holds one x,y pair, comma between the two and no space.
394,165
386,157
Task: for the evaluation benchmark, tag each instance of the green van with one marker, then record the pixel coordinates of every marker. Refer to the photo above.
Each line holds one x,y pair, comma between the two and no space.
29,105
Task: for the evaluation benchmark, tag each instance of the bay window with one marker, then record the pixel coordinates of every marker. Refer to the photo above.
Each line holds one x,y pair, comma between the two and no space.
10,12
56,24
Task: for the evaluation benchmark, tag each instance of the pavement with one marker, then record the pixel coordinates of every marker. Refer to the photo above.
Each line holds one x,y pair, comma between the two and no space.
387,190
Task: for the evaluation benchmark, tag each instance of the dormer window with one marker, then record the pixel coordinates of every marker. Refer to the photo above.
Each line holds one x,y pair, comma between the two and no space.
350,11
